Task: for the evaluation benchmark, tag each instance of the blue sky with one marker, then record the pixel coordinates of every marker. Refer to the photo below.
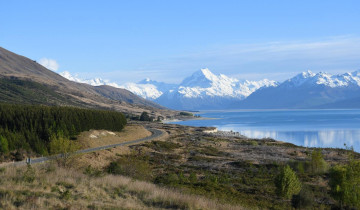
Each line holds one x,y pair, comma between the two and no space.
126,41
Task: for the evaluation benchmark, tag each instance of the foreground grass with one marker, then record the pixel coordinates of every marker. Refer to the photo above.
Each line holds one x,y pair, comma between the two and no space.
48,186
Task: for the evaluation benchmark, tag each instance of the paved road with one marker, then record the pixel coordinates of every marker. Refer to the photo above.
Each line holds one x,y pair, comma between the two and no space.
155,133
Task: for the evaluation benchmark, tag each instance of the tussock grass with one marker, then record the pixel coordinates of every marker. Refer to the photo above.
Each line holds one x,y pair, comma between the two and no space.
53,187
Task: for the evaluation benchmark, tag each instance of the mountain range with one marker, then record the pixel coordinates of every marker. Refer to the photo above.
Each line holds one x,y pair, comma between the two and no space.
309,90
205,90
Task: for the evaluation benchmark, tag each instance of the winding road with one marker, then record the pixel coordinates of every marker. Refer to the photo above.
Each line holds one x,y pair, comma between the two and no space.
155,134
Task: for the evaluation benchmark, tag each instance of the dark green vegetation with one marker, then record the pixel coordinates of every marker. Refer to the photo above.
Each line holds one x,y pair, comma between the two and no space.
32,128
345,184
186,114
204,165
18,91
145,117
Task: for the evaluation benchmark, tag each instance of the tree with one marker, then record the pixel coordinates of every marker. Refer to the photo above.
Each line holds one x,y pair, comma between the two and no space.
4,146
65,148
287,183
317,163
144,117
345,184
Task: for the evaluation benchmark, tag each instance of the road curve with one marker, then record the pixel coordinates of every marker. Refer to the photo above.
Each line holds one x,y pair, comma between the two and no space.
155,134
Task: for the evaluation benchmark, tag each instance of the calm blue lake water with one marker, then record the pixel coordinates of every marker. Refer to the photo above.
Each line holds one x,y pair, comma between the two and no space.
310,128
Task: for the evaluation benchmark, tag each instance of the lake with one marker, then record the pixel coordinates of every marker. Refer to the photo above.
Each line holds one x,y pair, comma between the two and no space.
309,128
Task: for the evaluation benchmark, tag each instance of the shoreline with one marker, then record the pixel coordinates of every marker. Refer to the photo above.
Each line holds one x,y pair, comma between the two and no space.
188,119
231,133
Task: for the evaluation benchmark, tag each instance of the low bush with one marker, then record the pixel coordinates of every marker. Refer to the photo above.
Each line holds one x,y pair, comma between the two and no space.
303,200
163,146
132,166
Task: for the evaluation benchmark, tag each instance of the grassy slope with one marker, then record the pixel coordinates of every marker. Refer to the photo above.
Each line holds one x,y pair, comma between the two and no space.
50,187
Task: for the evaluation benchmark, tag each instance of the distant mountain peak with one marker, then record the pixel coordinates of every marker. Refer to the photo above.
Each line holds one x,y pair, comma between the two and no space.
204,78
146,80
307,74
310,79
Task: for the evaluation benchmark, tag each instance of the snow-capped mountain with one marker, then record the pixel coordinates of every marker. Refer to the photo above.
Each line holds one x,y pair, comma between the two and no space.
93,82
201,84
204,83
149,89
326,79
309,90
203,89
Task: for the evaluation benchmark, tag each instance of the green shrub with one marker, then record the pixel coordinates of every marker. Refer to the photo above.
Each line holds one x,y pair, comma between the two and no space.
90,171
66,195
29,174
303,200
300,167
209,150
4,145
163,145
287,183
192,178
131,166
254,143
170,179
345,184
318,164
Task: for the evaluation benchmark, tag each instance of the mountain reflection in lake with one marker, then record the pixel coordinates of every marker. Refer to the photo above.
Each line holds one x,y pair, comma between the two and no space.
309,128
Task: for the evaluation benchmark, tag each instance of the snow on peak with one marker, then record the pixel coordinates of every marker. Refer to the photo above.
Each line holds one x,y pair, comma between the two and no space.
307,74
93,82
204,83
145,88
70,77
147,91
208,74
202,78
326,79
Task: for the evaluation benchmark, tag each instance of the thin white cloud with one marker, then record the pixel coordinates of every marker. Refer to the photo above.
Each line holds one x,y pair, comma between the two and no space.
277,59
49,63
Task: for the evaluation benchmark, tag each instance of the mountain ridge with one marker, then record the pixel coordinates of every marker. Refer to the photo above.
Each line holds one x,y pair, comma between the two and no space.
308,90
18,73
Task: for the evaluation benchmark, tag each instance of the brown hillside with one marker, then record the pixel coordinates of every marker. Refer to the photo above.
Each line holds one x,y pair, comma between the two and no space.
15,67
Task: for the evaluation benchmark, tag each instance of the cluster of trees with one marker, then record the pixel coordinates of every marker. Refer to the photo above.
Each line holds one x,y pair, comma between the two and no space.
34,127
344,182
143,117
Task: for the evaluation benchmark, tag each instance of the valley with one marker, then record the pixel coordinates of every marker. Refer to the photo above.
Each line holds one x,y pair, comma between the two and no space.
110,150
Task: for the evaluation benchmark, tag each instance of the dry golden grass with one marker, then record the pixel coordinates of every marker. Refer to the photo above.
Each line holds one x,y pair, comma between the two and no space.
102,158
47,186
97,138
99,159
